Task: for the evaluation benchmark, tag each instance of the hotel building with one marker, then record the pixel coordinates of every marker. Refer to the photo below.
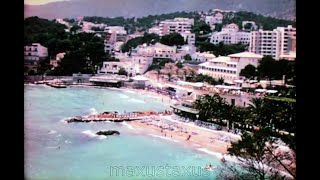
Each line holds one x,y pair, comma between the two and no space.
278,43
229,67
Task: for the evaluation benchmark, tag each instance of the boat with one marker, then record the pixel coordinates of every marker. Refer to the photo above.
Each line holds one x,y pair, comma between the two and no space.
55,85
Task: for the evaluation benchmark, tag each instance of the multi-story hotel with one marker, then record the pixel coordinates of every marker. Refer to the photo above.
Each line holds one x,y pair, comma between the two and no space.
33,54
229,67
177,25
279,43
230,34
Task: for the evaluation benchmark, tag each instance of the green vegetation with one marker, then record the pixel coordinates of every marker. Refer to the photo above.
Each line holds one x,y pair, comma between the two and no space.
267,23
285,99
187,57
205,78
201,29
127,23
159,63
253,150
221,49
266,112
140,24
151,20
249,71
271,69
172,39
266,118
133,43
84,51
122,71
48,33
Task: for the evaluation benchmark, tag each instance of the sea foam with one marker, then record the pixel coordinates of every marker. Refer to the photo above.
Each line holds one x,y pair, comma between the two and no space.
52,132
165,138
127,125
93,111
89,133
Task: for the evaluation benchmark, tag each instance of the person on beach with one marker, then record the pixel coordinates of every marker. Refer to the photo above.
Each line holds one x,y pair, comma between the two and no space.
188,138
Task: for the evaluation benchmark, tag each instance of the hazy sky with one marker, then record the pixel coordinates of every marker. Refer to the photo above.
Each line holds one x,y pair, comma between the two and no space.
37,2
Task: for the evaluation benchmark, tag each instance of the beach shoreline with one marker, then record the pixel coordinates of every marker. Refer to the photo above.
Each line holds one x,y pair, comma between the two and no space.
193,136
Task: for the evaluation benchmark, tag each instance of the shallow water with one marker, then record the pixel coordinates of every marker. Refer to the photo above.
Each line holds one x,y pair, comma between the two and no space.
57,150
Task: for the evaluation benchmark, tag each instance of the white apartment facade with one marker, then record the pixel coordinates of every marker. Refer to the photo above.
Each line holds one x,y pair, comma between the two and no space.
229,67
113,67
202,57
164,51
230,34
157,50
155,30
177,25
189,37
141,63
35,52
278,43
214,19
133,65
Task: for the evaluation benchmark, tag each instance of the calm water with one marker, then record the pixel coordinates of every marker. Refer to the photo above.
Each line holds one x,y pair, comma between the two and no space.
56,150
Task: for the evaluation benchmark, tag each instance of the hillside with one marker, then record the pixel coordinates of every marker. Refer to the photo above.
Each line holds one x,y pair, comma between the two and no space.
283,9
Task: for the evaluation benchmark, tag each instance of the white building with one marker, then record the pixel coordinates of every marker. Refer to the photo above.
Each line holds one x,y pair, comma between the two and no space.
132,36
202,57
177,25
141,63
113,67
35,52
189,37
164,51
157,50
279,43
188,49
230,34
133,65
229,67
155,30
214,19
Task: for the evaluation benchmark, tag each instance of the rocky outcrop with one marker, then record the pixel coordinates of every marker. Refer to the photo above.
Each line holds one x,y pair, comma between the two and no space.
108,132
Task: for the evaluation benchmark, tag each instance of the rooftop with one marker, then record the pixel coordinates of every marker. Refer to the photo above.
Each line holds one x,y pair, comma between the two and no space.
246,54
159,45
220,59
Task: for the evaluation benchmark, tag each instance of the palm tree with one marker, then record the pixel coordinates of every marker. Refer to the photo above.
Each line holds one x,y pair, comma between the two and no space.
221,80
257,108
211,107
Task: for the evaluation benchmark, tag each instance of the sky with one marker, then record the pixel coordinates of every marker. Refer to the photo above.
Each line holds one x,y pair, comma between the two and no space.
39,2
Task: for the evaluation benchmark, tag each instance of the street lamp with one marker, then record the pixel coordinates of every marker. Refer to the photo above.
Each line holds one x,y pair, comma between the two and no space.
197,116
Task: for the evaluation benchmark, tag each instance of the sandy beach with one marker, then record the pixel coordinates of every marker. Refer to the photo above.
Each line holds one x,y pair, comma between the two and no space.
194,136
157,96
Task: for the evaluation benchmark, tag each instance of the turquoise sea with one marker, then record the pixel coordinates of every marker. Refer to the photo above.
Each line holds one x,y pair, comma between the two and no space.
55,150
